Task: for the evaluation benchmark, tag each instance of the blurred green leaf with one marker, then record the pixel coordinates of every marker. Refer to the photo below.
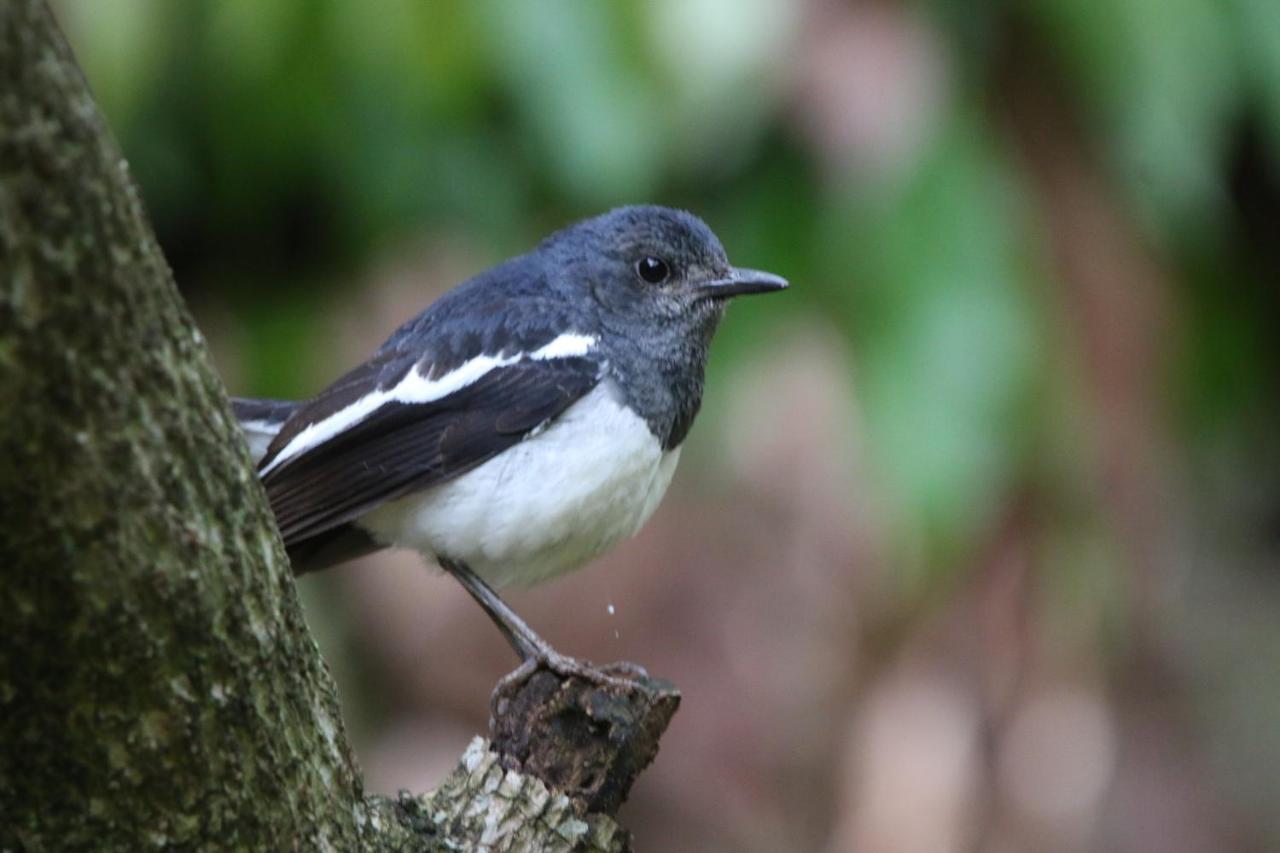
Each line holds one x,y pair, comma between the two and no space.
1258,29
595,122
935,284
1162,80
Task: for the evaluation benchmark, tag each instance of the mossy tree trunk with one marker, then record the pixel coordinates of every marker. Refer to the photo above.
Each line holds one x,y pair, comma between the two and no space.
158,681
158,686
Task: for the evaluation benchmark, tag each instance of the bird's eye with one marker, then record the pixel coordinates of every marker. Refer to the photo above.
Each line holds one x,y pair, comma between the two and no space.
653,270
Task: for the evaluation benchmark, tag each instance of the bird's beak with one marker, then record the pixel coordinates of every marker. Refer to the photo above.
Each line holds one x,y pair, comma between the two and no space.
741,282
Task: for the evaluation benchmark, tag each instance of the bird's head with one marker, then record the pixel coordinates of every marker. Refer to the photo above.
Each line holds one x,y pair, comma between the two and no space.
650,266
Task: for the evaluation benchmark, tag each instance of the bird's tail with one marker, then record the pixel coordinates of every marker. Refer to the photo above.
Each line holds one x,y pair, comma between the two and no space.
261,420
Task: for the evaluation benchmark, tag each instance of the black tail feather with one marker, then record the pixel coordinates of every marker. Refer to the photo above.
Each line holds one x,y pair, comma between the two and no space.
330,548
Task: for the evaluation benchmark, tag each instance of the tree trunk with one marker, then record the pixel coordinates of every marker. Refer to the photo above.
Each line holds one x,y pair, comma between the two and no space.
158,686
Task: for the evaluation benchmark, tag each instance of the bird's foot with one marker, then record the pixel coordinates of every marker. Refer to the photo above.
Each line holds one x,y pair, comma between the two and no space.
621,675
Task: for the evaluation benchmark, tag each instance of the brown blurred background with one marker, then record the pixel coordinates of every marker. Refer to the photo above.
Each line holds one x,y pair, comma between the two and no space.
976,545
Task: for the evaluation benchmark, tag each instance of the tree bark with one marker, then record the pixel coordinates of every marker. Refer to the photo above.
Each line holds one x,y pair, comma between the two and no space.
158,686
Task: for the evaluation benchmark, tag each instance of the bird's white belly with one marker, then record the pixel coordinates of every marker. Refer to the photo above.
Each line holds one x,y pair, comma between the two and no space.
545,506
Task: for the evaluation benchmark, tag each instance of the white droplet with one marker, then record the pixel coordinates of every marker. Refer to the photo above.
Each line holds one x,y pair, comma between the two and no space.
610,609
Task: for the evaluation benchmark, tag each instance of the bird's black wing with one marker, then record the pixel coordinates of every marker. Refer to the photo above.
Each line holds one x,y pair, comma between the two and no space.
340,470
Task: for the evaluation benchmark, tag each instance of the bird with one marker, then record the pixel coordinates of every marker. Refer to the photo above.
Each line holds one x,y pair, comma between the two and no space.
520,426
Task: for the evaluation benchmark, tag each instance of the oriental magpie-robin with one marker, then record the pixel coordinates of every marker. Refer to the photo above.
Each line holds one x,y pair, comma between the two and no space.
521,425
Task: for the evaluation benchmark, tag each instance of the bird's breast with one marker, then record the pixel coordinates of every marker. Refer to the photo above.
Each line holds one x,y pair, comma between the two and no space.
545,506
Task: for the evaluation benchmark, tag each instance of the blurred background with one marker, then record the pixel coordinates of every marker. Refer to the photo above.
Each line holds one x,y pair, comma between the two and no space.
976,545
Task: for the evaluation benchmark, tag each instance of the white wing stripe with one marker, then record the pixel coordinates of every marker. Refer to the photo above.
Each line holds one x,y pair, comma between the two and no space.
416,388
568,345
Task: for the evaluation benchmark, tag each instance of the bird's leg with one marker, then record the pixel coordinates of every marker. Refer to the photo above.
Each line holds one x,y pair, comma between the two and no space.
534,652
526,642
585,731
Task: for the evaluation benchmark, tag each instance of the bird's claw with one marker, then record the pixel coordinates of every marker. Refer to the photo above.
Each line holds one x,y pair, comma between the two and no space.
618,676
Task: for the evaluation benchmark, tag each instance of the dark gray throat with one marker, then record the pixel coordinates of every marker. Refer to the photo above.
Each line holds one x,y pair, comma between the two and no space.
660,377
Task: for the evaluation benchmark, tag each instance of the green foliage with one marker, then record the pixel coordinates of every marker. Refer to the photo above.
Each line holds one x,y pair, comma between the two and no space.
938,298
1161,78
